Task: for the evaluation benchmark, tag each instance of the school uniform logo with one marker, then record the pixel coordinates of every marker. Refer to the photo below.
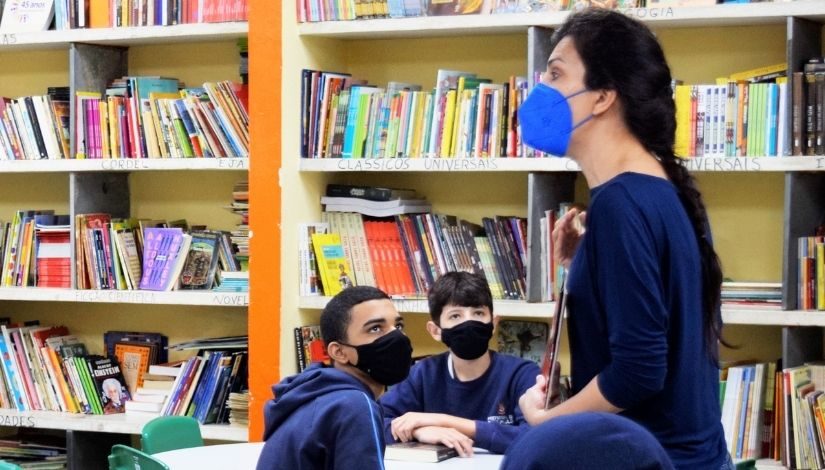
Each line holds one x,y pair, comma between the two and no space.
502,417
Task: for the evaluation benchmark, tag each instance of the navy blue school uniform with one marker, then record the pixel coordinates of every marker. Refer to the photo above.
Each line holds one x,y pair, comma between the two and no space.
322,418
490,400
587,441
635,318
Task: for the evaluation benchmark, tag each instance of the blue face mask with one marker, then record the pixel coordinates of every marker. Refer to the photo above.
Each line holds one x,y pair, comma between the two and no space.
547,120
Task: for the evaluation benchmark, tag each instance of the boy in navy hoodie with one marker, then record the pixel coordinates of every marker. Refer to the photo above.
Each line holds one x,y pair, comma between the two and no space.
469,395
327,417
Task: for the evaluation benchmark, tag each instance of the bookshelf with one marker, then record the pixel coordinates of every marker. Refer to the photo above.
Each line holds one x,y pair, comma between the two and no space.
116,424
131,36
698,165
758,205
666,17
195,189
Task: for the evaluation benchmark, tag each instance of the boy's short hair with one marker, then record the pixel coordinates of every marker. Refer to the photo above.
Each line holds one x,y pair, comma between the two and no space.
336,315
458,288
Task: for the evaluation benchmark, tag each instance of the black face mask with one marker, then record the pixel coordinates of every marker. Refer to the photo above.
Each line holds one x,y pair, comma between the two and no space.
468,340
387,360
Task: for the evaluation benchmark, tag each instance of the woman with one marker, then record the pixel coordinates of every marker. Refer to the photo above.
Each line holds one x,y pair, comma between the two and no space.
644,280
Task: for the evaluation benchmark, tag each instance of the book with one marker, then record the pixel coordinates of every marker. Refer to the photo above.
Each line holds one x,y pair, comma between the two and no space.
332,264
134,360
549,365
162,247
109,384
201,261
419,452
371,193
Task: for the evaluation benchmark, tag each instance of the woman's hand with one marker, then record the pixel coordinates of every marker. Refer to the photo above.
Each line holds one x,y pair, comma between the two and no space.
567,233
532,402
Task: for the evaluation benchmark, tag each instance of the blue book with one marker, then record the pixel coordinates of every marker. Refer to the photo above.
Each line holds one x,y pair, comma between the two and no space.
396,8
207,384
352,115
772,114
11,374
747,382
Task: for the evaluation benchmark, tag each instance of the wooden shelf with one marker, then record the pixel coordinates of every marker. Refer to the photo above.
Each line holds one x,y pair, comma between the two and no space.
46,294
131,36
120,423
656,17
767,316
124,165
404,165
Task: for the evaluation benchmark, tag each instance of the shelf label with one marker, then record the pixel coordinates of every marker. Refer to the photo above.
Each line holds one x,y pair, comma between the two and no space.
124,164
240,300
17,421
374,164
116,296
643,13
234,163
724,164
411,305
460,164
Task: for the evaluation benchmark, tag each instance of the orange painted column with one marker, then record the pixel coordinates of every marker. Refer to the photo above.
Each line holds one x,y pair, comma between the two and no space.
264,206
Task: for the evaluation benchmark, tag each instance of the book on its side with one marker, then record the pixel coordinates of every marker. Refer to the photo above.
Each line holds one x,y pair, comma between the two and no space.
419,452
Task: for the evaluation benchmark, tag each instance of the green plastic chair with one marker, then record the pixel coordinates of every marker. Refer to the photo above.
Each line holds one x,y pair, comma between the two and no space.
126,458
170,433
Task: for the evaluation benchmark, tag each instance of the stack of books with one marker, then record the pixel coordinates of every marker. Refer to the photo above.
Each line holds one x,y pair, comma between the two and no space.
238,404
33,455
752,294
154,391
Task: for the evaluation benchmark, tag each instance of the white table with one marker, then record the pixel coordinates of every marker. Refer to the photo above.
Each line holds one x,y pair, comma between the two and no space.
245,457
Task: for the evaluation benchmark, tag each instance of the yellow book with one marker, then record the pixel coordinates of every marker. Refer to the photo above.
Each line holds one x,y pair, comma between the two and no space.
682,98
447,125
114,142
456,121
164,138
68,397
103,109
417,124
766,70
332,263
820,275
26,254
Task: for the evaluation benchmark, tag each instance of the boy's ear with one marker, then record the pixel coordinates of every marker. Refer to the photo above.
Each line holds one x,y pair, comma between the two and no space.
496,319
434,330
336,352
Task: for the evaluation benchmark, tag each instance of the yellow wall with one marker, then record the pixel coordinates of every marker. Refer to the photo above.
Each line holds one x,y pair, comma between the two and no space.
31,72
200,197
744,222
